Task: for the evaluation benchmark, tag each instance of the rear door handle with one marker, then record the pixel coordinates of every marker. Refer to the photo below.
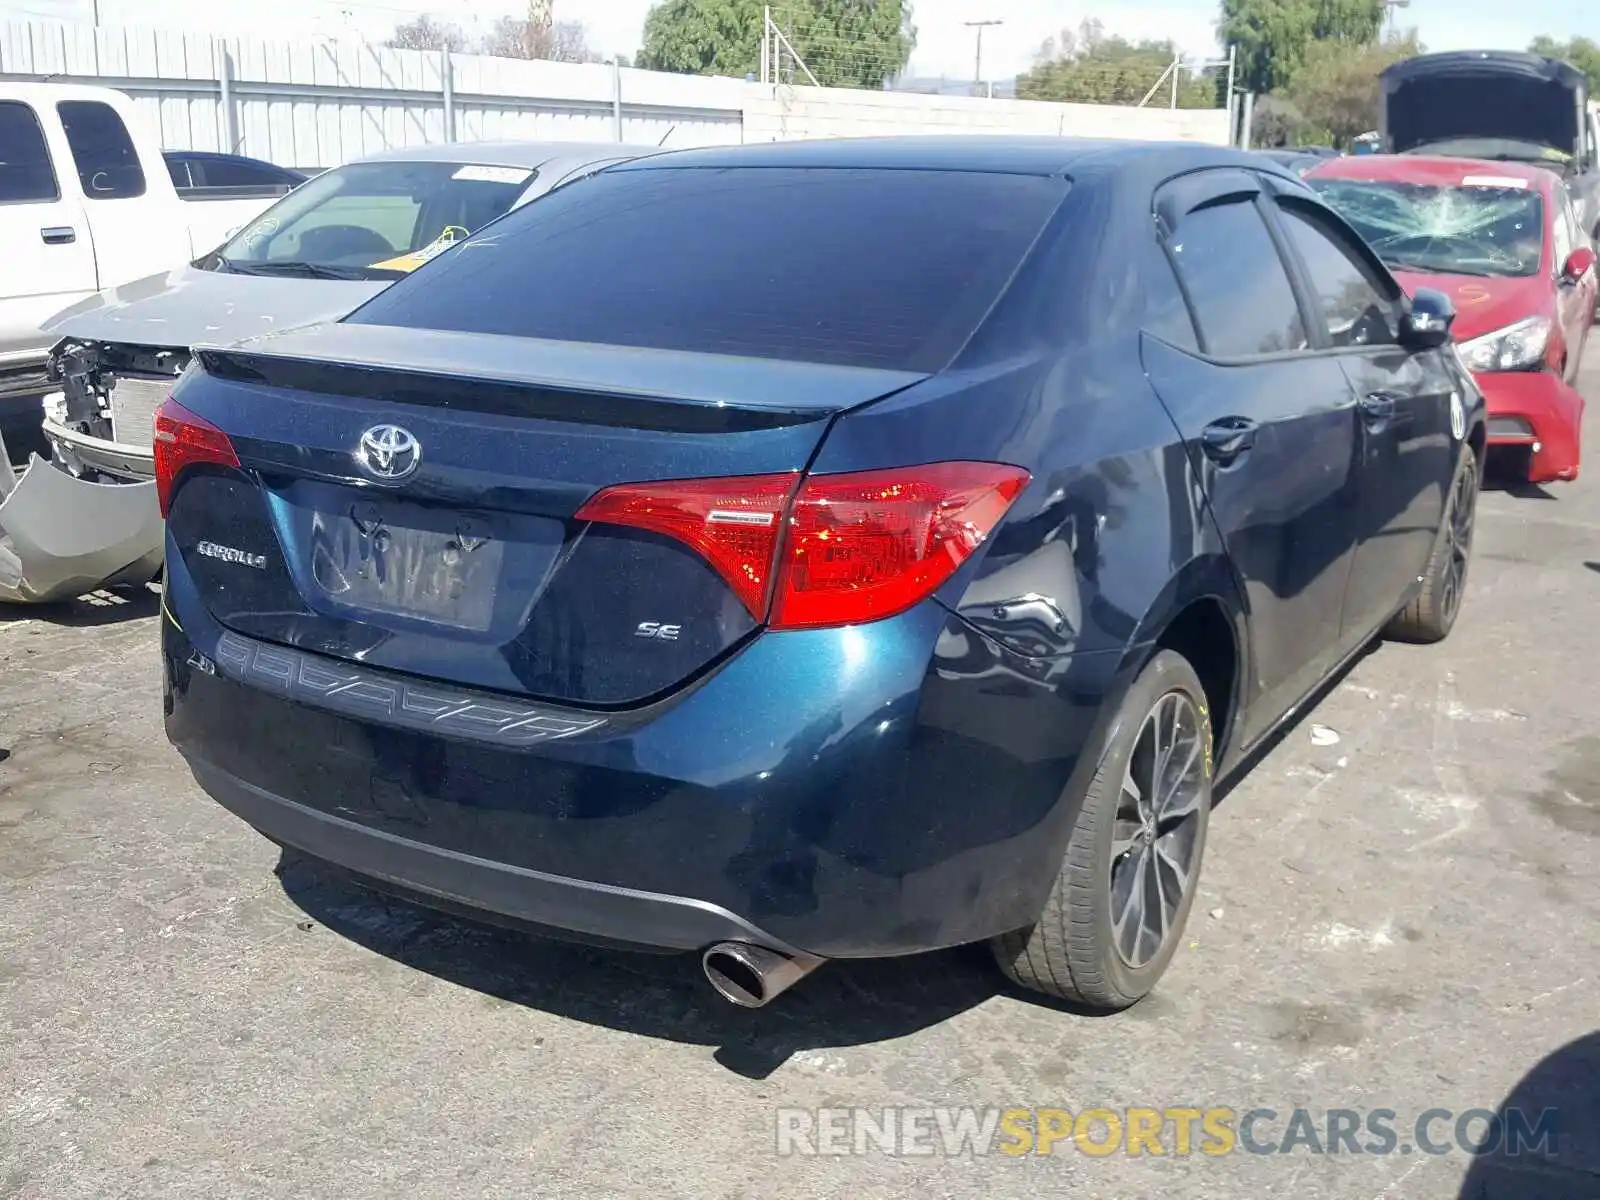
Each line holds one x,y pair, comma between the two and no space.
1377,408
58,235
1225,440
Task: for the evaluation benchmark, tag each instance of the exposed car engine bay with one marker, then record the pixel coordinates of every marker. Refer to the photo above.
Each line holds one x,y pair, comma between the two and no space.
102,423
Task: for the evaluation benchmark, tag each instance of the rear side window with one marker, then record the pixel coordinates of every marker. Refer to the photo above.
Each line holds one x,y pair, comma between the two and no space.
178,168
1356,312
108,165
1166,313
1237,283
863,267
26,174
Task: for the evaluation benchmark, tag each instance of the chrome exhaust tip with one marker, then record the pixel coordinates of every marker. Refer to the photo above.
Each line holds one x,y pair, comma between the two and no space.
751,976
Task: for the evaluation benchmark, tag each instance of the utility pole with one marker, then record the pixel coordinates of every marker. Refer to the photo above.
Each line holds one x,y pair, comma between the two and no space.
977,66
1390,6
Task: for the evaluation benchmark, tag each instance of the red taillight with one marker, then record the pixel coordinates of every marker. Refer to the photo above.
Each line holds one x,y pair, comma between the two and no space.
870,545
181,440
732,523
840,550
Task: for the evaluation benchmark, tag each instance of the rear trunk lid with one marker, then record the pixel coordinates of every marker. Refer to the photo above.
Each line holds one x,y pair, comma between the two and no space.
407,500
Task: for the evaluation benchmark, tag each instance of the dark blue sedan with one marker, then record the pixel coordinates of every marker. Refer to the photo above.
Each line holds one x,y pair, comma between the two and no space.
816,550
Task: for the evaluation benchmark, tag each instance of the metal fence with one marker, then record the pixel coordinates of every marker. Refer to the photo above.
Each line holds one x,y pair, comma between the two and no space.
319,102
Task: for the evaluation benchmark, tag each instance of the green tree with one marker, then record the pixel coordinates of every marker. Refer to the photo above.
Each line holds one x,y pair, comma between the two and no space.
703,37
1335,90
1581,52
1087,67
1278,122
1273,36
844,43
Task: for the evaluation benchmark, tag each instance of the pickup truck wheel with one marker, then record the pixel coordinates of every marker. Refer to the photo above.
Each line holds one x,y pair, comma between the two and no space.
1116,912
1432,615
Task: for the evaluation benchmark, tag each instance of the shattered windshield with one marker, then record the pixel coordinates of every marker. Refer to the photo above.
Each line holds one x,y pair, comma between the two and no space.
372,220
1466,229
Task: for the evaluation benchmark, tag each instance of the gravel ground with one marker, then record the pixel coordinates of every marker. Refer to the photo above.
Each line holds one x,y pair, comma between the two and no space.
1403,920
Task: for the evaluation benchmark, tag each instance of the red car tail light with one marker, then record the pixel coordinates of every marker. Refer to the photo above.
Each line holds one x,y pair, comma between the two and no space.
841,549
869,545
182,440
731,523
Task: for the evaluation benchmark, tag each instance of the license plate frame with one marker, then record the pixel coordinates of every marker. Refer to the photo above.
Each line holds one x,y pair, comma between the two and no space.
404,561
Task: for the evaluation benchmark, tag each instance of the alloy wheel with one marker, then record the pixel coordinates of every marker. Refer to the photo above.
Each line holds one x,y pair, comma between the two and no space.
1458,535
1155,838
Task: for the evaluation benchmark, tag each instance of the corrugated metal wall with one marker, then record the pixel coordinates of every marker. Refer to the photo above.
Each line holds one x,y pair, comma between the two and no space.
321,102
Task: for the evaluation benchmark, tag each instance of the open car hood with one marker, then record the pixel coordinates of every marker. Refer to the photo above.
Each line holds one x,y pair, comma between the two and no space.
1483,94
181,307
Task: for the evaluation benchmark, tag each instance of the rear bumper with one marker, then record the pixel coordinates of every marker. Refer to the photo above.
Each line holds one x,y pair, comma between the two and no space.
1539,410
881,790
575,906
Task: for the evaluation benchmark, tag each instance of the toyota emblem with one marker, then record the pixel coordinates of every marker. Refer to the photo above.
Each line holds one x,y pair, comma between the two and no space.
389,453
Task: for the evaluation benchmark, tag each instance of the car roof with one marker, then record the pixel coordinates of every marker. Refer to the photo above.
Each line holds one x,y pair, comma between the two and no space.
510,154
1001,154
1431,168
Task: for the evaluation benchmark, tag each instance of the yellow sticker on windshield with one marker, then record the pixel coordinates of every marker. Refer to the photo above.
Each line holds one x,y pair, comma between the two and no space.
410,262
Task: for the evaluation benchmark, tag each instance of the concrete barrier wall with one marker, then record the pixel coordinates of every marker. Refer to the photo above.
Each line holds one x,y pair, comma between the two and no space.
784,112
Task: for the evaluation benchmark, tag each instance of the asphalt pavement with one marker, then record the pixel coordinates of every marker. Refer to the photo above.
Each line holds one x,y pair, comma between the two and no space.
1401,920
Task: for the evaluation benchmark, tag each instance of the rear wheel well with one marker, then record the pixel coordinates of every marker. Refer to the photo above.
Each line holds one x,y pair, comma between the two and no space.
1203,634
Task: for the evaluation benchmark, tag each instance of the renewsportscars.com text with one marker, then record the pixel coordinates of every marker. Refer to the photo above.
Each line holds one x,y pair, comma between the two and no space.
1175,1131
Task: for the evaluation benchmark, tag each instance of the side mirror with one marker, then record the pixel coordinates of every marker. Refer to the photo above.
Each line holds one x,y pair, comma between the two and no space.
1579,263
1427,321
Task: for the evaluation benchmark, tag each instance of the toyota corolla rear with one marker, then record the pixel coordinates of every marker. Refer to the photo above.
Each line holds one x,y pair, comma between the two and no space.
565,582
1480,233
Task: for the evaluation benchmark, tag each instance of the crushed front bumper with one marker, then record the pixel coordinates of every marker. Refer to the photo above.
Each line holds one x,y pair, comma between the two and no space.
84,454
1540,411
61,536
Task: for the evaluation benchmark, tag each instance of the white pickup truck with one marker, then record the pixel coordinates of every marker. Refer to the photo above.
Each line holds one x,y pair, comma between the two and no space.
86,203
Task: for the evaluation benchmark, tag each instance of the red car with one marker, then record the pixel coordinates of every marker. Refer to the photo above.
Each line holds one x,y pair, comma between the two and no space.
1503,241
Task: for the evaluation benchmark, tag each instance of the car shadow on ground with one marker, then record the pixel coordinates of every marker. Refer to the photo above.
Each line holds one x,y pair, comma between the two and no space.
106,607
1559,1098
661,996
1510,475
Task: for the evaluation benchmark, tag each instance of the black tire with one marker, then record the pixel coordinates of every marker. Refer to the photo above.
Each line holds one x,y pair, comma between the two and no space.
1431,615
1072,951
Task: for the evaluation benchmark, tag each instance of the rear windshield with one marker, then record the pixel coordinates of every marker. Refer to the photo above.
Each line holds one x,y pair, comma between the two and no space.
373,220
1487,228
879,268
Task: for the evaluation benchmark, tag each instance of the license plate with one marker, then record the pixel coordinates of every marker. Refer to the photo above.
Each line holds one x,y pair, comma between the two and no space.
427,566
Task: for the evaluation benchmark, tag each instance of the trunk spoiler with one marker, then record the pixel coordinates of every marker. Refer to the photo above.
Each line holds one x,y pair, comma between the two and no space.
563,381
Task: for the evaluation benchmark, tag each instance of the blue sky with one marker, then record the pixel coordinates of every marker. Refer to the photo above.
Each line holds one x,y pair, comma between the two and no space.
945,44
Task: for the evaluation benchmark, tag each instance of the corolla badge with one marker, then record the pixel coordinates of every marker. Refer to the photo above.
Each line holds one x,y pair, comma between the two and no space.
389,453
